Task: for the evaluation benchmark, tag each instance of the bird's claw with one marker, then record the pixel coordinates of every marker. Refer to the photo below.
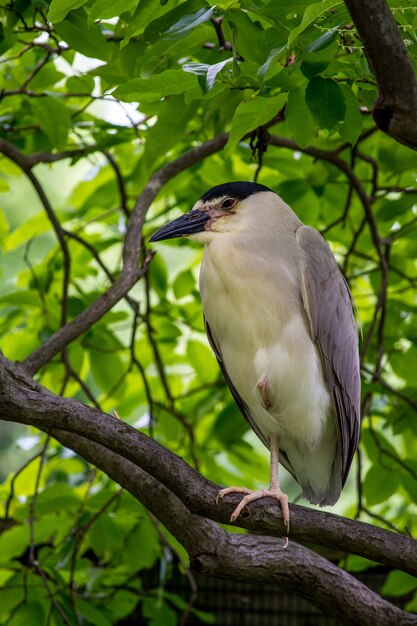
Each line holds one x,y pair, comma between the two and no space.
227,490
251,496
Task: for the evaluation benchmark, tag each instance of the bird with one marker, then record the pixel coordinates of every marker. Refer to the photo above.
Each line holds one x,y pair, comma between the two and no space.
279,318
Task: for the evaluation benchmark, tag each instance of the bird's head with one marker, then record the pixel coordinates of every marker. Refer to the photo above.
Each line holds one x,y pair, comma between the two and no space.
221,209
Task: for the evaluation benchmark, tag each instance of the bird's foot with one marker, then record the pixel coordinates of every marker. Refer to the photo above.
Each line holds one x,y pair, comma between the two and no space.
256,495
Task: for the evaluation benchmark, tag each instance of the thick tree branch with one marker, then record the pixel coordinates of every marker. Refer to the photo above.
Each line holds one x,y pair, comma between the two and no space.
26,402
251,558
395,109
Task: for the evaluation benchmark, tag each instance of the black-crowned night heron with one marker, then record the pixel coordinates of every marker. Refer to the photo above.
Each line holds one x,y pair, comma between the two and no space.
279,319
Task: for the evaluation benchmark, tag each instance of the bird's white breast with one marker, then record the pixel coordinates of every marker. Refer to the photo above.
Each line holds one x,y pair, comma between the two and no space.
252,302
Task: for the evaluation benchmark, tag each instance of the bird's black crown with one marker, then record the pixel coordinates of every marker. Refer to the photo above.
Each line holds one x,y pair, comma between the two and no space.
239,190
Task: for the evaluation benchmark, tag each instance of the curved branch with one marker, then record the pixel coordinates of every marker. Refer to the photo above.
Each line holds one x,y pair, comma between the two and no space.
132,247
395,109
133,243
28,161
251,558
46,411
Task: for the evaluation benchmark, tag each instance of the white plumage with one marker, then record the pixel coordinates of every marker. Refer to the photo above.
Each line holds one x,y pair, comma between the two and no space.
279,319
269,336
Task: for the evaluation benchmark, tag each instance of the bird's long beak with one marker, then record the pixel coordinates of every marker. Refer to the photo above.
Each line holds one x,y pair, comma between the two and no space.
192,222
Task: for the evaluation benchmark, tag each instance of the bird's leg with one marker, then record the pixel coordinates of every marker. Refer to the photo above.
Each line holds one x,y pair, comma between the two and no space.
274,490
274,486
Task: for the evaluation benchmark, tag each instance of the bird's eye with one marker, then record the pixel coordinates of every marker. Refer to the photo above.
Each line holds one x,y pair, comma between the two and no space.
228,203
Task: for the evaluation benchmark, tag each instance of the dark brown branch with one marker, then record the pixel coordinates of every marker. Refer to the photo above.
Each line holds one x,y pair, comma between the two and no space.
395,109
30,404
120,182
28,161
133,303
218,27
251,558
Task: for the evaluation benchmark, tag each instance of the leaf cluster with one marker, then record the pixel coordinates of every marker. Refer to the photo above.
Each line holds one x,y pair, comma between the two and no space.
97,95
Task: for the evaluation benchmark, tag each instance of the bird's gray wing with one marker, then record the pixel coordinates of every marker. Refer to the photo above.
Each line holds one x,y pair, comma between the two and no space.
328,305
241,404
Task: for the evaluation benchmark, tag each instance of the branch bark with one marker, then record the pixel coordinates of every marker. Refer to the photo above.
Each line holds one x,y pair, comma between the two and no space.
25,401
249,558
395,109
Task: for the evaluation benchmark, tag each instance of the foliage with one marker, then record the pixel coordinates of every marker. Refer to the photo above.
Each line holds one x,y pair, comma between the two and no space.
72,75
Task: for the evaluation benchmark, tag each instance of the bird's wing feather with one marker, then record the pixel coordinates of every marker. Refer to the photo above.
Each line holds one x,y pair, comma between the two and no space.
328,305
241,404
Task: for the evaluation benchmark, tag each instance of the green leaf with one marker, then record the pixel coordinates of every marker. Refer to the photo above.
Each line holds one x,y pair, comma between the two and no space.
251,40
380,484
209,71
282,12
142,546
229,426
122,604
315,63
399,584
168,130
274,54
12,595
300,195
159,276
29,613
412,605
410,484
58,9
56,497
250,115
80,84
30,228
312,12
152,89
88,41
106,536
92,614
351,127
202,360
324,40
298,117
54,118
184,284
404,362
388,210
105,9
356,563
158,613
187,23
107,369
13,542
145,11
326,102
213,71
155,29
